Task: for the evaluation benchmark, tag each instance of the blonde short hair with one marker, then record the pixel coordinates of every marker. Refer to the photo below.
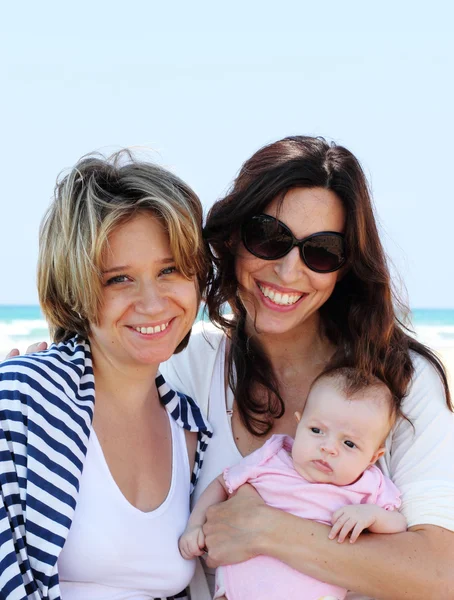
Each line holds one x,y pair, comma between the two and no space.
94,198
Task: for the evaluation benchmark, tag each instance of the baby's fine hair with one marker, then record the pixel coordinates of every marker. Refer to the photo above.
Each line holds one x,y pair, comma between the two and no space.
353,383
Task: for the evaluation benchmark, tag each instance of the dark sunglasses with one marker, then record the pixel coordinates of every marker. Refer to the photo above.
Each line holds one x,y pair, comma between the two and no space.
267,238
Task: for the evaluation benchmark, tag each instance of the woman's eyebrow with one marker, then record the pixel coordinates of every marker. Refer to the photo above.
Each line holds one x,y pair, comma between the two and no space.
166,260
161,261
113,269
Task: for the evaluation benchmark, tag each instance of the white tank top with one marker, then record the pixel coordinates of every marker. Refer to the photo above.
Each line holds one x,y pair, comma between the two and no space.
114,551
218,455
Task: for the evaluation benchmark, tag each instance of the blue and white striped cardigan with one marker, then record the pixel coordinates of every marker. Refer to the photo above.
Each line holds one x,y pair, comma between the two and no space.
46,410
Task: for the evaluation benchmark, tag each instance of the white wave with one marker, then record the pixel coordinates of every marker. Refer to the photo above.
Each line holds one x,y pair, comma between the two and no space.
21,327
21,333
436,336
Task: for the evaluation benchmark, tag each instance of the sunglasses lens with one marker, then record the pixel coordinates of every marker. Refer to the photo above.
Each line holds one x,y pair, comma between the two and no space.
324,253
265,237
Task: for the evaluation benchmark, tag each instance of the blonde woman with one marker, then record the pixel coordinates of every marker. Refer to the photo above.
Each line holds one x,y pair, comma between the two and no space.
98,454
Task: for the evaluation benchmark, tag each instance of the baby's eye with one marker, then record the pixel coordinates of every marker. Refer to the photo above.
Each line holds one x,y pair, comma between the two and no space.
169,270
316,430
117,279
350,444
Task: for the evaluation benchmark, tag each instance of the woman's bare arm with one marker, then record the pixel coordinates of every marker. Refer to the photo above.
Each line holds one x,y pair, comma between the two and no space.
415,565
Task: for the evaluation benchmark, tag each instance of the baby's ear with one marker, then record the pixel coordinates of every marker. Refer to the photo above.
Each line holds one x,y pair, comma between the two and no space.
377,455
298,416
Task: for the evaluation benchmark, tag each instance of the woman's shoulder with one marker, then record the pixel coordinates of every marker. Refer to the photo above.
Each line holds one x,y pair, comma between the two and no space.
205,335
426,390
426,416
73,354
190,371
204,341
61,376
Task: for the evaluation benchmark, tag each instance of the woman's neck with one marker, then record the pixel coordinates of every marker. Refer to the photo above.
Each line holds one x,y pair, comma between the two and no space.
125,387
289,351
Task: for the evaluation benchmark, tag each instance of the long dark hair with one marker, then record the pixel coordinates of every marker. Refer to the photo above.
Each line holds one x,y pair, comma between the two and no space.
363,317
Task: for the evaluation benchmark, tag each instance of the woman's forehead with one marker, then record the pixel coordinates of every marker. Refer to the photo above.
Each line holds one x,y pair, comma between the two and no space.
307,210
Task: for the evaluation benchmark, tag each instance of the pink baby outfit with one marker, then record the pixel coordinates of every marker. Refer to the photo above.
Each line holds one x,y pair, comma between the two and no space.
270,470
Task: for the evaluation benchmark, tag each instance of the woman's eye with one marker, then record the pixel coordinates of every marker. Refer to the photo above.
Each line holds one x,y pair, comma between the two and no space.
350,444
117,279
169,270
316,430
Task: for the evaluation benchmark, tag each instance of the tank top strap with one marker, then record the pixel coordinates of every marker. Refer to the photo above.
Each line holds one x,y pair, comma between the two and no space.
219,378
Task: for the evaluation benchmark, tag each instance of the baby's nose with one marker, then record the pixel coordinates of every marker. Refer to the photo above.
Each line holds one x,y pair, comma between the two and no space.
329,448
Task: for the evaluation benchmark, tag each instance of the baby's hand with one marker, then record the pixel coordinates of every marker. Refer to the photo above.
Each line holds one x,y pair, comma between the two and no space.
192,542
353,518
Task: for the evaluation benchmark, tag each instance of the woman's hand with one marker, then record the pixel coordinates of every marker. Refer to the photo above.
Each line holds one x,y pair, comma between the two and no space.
233,527
38,347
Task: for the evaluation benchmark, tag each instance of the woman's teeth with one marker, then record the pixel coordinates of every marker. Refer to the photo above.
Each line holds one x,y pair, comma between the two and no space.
278,298
150,330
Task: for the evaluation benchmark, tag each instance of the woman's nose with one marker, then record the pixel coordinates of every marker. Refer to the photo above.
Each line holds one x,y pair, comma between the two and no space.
290,267
150,298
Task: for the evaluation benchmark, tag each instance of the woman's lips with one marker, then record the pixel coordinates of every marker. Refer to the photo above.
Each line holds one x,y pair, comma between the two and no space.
149,331
279,299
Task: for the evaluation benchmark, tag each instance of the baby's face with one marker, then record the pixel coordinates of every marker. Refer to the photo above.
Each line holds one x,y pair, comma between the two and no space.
337,438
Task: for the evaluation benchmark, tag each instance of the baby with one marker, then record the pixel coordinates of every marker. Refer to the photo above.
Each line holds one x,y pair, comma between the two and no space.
326,474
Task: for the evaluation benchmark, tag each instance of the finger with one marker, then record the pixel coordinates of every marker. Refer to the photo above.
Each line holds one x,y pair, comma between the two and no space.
337,526
183,550
334,530
201,539
210,563
357,530
335,516
14,352
345,530
191,549
195,548
38,347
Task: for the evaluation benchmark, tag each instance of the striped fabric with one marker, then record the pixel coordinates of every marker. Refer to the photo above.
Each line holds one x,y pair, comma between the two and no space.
46,410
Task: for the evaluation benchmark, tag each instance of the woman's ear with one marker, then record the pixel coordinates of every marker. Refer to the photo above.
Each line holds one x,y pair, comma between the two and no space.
298,416
232,243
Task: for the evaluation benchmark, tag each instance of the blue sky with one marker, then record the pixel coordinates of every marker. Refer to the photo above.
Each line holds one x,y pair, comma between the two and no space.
205,84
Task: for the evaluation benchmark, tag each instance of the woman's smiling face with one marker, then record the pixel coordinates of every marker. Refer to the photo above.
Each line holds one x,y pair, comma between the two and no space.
148,306
282,295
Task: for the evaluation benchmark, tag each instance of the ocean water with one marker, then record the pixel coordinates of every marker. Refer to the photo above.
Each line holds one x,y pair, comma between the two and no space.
22,325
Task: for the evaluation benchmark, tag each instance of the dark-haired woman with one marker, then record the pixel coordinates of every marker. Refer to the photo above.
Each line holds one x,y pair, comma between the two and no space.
299,260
